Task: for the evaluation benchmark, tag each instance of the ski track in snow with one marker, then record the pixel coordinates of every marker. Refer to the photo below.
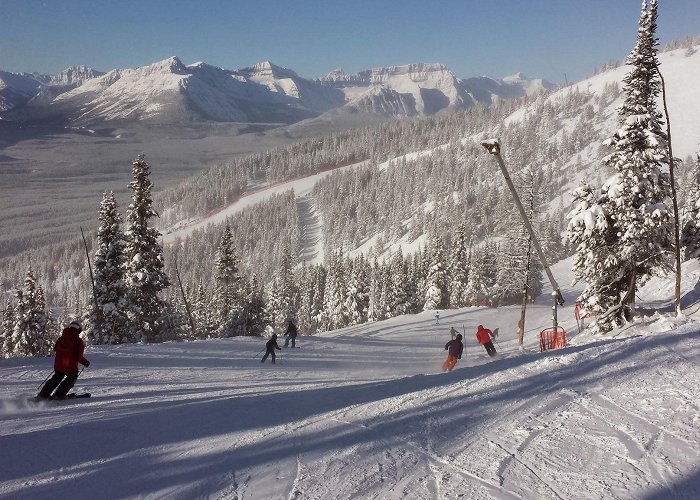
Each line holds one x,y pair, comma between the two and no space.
365,413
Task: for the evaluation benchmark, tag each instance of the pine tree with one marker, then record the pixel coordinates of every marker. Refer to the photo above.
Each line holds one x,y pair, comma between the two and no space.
482,274
401,300
283,295
144,274
204,318
334,312
459,271
30,336
374,309
228,295
636,239
690,238
8,326
436,293
110,325
257,319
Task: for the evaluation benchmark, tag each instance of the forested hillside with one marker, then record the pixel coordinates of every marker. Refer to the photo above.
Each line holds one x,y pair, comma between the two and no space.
417,218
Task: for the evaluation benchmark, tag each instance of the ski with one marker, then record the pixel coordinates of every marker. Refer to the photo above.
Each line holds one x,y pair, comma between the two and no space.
74,395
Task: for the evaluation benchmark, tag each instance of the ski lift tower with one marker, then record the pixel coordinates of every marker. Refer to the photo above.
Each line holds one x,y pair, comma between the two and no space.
493,146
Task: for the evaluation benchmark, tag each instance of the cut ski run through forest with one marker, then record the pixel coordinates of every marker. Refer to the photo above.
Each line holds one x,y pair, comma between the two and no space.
365,412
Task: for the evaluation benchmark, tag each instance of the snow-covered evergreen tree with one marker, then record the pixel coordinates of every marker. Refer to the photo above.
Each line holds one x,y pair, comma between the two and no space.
8,326
30,336
334,313
354,299
203,314
110,324
636,239
257,319
228,295
283,303
690,239
306,299
459,270
436,293
375,311
144,274
401,289
482,274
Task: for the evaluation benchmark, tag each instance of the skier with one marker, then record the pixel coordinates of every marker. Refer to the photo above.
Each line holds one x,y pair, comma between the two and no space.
270,347
69,352
453,333
454,348
485,338
437,317
291,334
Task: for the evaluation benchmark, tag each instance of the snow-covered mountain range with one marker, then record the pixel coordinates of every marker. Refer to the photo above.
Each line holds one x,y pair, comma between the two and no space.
18,89
171,92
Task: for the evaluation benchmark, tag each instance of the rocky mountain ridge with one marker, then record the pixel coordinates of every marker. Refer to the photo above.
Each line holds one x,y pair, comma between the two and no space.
169,91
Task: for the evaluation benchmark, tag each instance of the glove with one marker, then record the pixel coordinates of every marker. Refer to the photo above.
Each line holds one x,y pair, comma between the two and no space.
87,363
446,348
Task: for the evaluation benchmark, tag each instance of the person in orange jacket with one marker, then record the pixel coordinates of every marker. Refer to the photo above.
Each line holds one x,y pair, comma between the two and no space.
69,350
454,352
485,338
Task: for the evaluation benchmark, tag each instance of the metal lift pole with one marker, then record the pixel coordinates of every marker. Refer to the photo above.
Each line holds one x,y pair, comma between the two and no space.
494,147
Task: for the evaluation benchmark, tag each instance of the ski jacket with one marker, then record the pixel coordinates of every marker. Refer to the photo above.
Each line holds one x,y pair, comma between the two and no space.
483,335
291,330
271,345
69,351
454,348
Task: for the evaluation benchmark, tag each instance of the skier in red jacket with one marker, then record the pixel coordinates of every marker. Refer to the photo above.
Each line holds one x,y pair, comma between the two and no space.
69,352
454,348
485,338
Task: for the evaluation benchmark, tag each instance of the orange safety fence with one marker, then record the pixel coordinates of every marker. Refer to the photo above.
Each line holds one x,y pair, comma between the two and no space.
552,339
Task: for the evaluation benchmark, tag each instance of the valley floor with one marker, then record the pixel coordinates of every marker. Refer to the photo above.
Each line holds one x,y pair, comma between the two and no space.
365,412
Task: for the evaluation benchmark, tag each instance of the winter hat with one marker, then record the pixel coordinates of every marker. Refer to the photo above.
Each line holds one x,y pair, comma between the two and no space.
459,336
75,325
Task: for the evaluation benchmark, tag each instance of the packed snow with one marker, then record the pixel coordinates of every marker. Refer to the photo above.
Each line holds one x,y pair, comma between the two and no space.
365,412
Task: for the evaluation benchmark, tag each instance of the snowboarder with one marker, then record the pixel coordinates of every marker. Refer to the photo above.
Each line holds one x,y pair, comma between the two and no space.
291,334
270,347
69,352
485,338
454,350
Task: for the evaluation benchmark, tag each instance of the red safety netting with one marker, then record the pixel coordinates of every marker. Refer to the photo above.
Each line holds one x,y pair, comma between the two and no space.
552,339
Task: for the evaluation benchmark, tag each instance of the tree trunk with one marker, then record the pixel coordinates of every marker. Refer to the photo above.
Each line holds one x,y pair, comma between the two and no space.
674,198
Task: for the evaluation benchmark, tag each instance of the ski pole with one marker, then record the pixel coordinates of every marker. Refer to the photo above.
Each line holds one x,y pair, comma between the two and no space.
259,352
45,380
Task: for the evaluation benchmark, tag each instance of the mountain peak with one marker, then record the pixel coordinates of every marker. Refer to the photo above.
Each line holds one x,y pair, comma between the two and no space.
519,76
269,70
172,64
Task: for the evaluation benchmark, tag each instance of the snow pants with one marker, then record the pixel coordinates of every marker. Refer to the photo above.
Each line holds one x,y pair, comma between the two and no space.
449,363
288,338
63,385
490,349
267,354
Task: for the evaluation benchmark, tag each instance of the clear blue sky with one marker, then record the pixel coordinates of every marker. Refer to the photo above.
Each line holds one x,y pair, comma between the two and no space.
543,38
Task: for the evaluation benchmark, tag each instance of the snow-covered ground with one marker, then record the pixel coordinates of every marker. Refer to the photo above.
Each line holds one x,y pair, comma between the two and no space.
365,412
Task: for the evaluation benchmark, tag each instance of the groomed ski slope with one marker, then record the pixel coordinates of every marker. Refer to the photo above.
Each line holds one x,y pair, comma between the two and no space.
365,412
